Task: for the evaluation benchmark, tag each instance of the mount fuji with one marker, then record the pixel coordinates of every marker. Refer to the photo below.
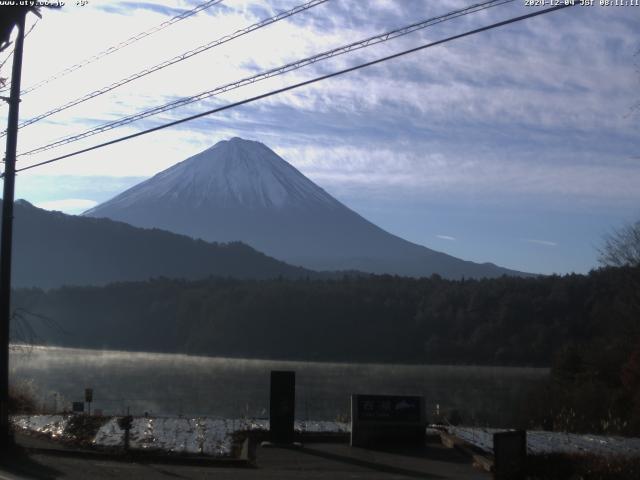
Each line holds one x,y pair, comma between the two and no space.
242,190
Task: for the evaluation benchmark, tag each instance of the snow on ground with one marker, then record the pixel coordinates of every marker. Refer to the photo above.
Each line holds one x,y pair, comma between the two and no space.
110,434
539,442
214,437
204,436
321,427
51,425
200,436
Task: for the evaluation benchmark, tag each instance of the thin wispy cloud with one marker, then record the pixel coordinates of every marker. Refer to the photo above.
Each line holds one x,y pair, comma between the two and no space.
446,237
546,243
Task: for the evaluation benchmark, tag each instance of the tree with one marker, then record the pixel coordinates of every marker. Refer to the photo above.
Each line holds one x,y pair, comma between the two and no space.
622,247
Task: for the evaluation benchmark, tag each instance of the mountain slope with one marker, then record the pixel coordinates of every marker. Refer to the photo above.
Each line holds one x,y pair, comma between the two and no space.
242,190
53,249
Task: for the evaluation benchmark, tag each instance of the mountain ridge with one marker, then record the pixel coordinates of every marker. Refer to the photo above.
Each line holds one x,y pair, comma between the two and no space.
52,249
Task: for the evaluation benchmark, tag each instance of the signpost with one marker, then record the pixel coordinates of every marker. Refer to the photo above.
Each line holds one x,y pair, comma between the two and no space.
88,397
380,419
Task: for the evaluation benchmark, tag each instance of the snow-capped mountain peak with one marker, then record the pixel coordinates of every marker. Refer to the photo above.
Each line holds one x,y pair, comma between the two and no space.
232,172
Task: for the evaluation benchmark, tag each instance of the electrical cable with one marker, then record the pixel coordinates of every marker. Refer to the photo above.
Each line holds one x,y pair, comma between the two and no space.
115,48
376,39
179,58
302,84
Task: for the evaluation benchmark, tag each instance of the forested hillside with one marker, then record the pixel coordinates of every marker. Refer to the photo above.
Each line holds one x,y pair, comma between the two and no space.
506,321
52,249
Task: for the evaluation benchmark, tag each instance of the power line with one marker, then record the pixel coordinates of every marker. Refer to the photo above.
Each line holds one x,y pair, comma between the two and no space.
125,43
300,84
383,37
2,64
176,59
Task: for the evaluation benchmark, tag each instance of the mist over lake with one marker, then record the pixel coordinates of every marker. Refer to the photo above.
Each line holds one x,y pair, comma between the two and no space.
170,384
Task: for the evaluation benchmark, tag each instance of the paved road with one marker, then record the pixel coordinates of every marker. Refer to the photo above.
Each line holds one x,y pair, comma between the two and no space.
314,461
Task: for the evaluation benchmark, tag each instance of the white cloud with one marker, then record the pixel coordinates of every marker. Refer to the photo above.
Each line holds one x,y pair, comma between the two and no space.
68,205
489,81
446,237
519,110
426,168
546,243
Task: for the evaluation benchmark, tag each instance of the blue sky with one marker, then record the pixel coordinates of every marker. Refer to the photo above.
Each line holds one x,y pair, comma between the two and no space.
519,146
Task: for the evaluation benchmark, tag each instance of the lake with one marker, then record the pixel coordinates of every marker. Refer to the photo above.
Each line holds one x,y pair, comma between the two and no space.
170,384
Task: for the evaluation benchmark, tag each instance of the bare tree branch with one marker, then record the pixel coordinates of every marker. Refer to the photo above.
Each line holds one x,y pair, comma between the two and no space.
621,247
22,330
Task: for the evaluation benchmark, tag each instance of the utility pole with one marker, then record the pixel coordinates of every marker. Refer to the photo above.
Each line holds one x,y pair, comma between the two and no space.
6,234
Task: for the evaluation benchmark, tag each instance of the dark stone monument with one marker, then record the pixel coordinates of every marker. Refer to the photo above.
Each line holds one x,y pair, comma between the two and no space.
387,419
282,406
510,454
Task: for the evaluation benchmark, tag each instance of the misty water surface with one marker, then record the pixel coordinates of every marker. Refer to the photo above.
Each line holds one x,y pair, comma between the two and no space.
167,384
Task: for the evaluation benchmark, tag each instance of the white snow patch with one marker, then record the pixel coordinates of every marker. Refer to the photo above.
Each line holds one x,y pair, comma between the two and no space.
540,442
110,435
322,427
195,435
52,425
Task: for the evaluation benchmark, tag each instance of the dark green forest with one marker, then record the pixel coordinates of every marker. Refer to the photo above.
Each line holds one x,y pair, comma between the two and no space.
505,321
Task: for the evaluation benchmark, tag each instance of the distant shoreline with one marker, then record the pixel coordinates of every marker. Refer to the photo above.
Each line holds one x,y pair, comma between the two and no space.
15,348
